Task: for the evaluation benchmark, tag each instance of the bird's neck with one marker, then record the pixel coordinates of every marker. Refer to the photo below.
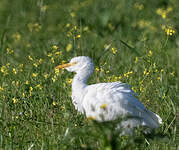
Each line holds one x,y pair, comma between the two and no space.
78,88
80,79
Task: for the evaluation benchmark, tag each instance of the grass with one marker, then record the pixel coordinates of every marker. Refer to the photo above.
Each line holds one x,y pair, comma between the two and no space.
130,41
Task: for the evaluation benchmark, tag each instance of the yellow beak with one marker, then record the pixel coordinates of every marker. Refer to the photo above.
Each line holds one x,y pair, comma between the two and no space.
65,65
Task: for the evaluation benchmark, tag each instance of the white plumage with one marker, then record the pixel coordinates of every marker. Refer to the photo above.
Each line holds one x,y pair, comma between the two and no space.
107,101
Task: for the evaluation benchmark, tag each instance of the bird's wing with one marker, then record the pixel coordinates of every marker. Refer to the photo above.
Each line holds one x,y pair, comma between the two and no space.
111,100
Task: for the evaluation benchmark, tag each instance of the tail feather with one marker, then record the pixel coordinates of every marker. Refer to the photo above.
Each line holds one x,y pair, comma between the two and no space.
154,120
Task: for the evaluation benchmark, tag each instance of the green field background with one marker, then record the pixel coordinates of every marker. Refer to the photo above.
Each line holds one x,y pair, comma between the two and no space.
131,41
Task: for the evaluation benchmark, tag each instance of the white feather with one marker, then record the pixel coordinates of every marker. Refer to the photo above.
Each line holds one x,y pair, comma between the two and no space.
108,101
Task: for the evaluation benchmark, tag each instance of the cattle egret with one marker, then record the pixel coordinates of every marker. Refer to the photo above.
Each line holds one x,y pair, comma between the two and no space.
107,101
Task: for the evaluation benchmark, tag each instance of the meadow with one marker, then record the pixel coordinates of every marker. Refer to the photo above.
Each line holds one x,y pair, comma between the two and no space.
132,41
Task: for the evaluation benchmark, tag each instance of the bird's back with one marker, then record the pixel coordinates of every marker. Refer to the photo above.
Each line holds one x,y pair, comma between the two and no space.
109,101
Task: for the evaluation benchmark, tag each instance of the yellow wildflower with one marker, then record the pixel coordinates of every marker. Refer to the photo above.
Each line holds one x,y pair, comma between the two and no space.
107,71
163,13
27,82
138,6
105,45
23,95
37,26
172,73
54,103
69,34
141,89
75,27
13,82
67,25
130,72
4,70
30,58
3,97
159,11
85,28
40,60
45,75
21,65
34,27
49,54
126,75
136,60
1,89
58,53
57,71
35,65
39,86
146,72
164,96
169,31
34,75
102,70
144,23
151,81
78,36
162,70
52,60
133,88
69,81
150,53
14,71
110,26
114,50
154,65
72,14
68,47
120,77
97,69
31,89
103,106
169,9
17,83
54,78
115,78
8,64
15,100
163,27
62,107
54,47
9,51
16,36
158,78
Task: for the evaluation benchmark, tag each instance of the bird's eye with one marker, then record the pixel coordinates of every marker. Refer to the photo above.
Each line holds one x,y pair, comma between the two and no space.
73,63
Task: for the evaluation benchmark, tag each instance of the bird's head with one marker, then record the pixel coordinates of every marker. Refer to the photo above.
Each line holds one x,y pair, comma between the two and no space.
78,64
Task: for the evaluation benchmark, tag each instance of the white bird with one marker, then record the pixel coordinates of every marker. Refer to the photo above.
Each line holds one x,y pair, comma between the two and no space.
107,101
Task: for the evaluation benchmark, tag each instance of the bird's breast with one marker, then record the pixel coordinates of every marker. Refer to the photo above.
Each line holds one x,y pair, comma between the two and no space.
77,99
